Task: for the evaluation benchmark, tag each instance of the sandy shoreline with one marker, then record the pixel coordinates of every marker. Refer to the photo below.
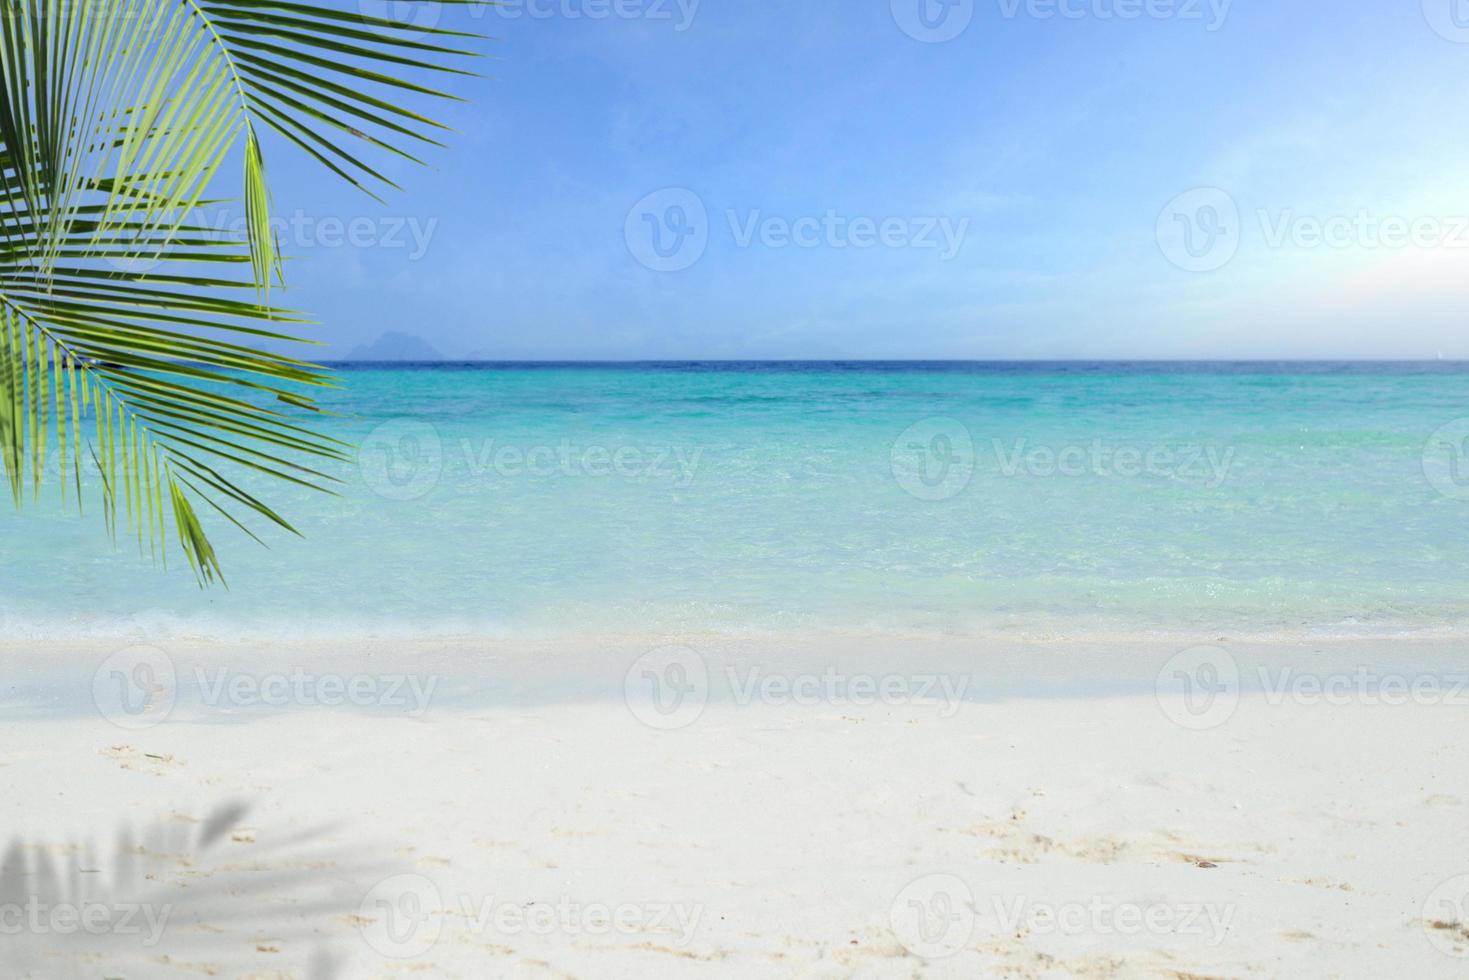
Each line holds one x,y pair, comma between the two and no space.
789,827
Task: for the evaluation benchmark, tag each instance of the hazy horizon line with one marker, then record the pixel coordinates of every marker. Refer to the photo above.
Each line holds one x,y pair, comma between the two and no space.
899,360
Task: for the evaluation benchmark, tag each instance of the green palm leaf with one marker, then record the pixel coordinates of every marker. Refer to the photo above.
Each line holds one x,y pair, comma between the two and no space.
129,331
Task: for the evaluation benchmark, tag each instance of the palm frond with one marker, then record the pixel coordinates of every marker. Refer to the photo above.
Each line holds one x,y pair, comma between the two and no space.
334,83
130,332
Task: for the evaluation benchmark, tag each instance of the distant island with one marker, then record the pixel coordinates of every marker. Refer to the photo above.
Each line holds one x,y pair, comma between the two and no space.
395,345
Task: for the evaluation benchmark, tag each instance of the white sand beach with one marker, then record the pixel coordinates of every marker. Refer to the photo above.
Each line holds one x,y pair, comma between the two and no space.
1293,834
662,490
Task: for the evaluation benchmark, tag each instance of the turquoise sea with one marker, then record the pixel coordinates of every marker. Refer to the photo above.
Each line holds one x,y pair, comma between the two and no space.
950,498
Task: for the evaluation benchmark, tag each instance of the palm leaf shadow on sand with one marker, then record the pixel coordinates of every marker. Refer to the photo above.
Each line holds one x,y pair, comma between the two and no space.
190,893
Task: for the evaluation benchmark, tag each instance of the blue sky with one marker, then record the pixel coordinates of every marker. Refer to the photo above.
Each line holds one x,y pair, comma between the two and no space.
1028,188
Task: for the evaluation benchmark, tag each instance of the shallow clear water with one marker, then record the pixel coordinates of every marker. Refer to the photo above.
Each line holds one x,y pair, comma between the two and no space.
773,497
